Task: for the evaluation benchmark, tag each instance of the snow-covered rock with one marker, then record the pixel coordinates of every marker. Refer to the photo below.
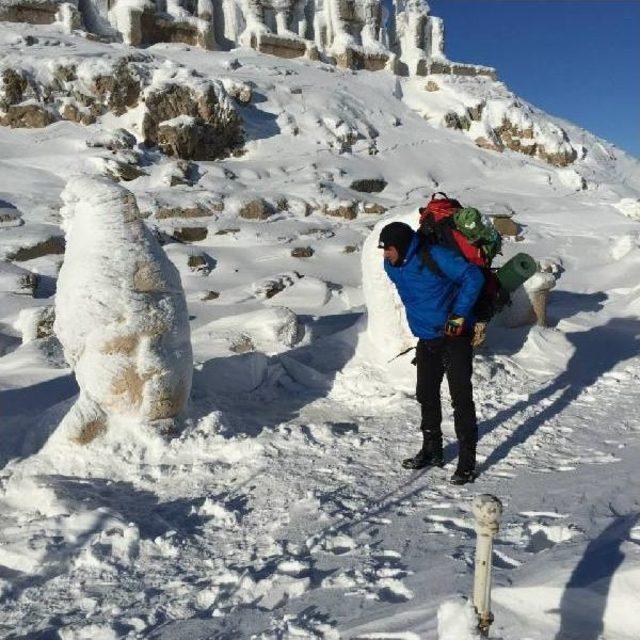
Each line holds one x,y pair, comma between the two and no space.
387,327
270,331
190,118
630,207
15,279
120,314
36,323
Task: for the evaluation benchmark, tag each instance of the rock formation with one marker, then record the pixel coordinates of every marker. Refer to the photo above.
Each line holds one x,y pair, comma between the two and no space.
185,115
350,33
121,314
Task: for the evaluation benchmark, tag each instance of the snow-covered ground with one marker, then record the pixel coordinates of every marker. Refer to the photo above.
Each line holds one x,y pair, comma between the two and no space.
281,510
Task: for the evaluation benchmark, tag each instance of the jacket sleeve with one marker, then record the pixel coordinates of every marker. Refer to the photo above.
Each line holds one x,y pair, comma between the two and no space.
466,275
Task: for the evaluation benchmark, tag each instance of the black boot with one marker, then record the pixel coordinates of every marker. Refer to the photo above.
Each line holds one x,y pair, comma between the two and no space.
463,477
429,456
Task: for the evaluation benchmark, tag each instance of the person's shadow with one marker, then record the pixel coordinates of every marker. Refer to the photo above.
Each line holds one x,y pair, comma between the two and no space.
585,596
597,351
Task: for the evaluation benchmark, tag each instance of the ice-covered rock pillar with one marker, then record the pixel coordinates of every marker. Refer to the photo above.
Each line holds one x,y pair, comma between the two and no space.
121,315
372,18
436,38
69,16
487,510
341,39
205,10
412,21
126,17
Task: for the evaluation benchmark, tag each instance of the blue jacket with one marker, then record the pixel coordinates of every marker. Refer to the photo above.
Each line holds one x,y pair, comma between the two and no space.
429,298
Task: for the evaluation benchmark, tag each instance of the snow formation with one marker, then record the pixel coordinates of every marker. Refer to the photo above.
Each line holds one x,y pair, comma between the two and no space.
120,314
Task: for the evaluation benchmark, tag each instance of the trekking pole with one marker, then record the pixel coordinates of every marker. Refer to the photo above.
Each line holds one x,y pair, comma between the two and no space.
487,510
400,354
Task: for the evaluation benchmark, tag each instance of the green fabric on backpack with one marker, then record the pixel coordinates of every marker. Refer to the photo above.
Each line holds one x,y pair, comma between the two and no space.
471,223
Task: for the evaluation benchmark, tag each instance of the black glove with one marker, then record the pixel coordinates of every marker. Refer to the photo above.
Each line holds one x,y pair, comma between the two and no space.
455,326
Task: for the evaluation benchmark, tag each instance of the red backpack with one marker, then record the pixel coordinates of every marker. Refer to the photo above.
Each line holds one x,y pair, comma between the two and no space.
436,222
440,208
437,227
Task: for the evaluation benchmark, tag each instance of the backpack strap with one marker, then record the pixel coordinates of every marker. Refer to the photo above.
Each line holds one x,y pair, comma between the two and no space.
426,259
430,263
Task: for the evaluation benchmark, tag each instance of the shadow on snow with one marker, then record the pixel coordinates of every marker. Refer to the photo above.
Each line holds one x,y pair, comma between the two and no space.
584,600
597,351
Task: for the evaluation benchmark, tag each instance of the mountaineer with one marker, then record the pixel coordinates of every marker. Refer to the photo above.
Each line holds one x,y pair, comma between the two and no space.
438,288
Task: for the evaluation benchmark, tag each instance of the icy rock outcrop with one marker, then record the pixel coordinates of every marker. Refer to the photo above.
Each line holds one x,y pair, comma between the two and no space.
146,22
27,116
121,314
497,120
350,33
354,35
34,246
33,94
191,119
513,125
413,33
68,16
31,11
187,116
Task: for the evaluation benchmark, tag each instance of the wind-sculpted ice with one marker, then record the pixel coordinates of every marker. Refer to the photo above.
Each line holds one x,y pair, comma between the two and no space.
121,314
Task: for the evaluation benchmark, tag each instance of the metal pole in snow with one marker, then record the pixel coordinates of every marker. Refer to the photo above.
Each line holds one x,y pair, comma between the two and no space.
487,510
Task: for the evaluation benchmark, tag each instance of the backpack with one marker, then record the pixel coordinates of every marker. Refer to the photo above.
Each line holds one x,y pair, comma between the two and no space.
444,221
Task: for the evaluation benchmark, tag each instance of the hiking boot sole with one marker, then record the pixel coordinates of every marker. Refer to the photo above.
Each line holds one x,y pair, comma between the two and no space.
410,464
463,479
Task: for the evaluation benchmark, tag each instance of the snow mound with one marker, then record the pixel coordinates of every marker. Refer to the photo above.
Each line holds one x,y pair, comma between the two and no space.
269,331
457,621
305,293
630,207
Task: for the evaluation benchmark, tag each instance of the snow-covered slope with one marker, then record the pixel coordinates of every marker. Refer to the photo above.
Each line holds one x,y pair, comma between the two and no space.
281,510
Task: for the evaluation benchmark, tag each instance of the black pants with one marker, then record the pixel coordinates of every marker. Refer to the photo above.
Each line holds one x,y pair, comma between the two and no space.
452,356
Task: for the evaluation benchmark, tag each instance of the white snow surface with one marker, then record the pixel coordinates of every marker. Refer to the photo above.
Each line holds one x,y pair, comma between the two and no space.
279,510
